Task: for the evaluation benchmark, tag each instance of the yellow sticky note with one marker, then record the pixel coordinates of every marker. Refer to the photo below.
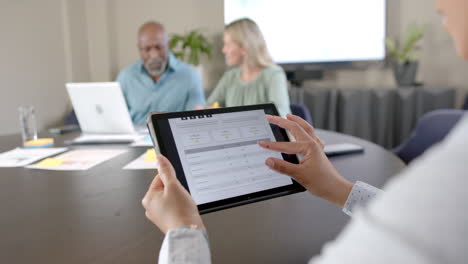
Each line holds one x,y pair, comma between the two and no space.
40,142
150,155
216,104
51,162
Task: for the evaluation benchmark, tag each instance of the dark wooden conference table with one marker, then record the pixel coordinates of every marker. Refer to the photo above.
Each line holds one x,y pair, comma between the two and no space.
96,216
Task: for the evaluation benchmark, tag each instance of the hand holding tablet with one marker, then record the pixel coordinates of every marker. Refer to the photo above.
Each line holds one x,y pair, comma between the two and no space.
315,172
216,156
168,205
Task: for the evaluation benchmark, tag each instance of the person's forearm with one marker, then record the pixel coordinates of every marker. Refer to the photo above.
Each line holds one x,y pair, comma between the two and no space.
345,194
340,192
361,194
185,245
331,186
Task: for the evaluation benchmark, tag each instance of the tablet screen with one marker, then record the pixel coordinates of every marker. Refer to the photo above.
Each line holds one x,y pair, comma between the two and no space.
216,156
220,155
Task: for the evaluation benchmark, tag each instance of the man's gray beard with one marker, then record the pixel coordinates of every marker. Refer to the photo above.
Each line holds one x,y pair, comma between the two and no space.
158,71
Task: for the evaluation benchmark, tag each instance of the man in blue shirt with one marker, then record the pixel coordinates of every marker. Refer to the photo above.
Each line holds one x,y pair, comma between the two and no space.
158,82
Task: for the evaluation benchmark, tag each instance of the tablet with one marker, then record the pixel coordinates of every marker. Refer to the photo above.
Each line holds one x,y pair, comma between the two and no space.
216,156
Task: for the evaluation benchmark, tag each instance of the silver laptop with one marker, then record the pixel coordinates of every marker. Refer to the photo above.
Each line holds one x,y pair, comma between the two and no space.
101,112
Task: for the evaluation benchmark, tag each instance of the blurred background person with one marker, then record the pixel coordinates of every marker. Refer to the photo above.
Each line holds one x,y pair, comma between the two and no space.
158,81
254,78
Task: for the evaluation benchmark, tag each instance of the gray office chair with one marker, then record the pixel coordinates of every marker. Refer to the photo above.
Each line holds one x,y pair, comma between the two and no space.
465,105
431,128
301,110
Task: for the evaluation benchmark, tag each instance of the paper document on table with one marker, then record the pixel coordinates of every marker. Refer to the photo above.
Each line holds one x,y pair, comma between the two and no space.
21,157
78,159
146,161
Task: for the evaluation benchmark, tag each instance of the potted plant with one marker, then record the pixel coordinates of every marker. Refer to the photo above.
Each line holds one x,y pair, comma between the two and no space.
403,55
190,47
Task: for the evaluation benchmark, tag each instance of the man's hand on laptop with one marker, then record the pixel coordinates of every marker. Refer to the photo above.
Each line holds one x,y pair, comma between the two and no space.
168,205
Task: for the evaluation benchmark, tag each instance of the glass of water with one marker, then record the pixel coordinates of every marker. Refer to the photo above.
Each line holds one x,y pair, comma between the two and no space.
27,117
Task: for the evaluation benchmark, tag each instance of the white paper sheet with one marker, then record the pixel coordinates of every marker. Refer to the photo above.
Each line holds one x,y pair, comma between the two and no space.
103,138
21,157
78,159
141,163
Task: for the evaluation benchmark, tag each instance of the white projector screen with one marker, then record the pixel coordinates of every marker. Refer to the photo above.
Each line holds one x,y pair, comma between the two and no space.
316,31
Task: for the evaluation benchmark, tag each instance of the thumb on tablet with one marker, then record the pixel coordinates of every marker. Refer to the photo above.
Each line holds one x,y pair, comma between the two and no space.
166,170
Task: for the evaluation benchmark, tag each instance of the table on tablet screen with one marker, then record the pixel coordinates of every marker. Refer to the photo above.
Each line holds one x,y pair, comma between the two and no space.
220,155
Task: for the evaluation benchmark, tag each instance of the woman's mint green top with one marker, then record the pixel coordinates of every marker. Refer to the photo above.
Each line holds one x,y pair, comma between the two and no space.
270,86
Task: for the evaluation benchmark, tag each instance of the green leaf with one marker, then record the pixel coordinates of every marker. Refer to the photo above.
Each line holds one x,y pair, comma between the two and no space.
406,52
190,46
391,47
175,39
179,55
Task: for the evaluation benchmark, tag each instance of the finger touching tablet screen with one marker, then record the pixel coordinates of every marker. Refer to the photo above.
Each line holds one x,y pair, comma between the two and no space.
216,156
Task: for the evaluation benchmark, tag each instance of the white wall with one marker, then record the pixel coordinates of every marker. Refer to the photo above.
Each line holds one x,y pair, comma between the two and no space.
76,40
49,42
32,66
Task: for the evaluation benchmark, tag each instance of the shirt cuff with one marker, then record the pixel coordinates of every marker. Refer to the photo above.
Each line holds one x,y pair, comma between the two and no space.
360,195
185,245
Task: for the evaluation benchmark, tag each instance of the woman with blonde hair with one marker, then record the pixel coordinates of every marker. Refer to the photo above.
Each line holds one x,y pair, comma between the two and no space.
254,78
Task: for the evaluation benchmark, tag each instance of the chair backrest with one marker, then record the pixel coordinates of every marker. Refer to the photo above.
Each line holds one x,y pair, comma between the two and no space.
465,105
301,110
431,128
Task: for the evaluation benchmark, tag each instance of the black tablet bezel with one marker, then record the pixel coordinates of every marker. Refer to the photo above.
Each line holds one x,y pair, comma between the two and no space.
295,187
